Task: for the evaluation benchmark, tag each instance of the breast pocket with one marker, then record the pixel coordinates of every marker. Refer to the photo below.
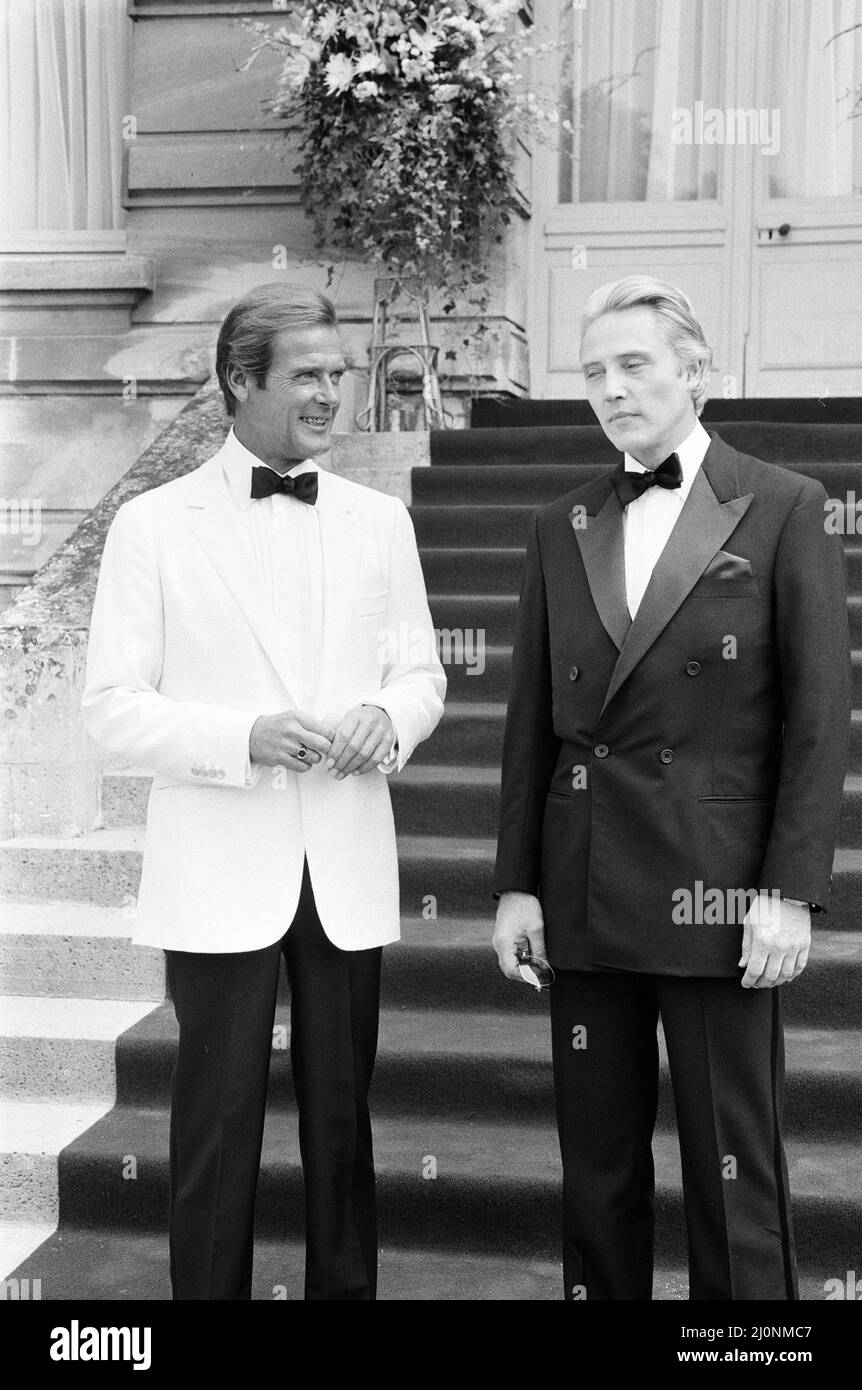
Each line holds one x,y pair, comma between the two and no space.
372,604
745,586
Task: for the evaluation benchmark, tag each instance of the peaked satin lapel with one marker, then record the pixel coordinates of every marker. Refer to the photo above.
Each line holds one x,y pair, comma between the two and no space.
340,539
704,525
216,525
600,542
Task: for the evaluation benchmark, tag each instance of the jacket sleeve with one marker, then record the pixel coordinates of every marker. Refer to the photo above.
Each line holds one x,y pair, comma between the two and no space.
814,652
530,746
204,744
413,682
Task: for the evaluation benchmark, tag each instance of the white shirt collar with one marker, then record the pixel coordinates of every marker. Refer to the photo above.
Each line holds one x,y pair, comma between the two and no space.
691,453
237,462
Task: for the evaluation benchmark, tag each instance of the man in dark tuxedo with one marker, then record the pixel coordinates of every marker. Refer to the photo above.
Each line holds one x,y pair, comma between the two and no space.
672,778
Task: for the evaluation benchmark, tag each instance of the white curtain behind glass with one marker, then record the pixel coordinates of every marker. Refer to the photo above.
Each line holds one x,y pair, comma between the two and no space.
63,91
627,66
811,83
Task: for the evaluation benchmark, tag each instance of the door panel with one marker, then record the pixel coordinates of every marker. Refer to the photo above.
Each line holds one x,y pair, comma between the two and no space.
775,280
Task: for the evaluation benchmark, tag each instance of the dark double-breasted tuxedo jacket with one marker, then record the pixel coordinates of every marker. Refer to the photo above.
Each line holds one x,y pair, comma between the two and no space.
701,746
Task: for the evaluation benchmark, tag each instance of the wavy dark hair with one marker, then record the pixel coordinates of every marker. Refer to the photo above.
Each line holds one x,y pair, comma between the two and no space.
247,336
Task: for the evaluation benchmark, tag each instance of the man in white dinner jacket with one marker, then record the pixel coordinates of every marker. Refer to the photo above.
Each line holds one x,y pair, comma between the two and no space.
242,648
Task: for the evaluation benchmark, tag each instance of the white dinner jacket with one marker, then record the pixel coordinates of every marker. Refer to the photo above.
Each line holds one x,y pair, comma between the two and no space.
184,656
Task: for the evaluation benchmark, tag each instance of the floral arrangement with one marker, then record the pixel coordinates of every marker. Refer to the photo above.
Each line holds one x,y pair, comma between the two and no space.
407,113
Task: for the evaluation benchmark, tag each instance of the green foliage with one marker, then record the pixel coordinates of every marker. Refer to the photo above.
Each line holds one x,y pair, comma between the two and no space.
407,114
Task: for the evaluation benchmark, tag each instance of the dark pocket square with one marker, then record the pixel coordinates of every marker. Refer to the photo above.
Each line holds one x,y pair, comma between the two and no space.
723,565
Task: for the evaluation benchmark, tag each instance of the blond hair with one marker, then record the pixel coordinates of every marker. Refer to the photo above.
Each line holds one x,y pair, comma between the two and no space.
682,331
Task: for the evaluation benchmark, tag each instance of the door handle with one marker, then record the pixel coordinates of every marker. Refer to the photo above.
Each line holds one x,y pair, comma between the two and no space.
770,233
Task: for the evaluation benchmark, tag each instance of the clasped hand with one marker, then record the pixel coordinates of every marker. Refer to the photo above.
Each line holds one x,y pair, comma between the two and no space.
357,744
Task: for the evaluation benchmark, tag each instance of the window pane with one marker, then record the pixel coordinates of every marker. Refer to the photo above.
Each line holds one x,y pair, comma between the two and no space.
63,65
815,71
627,71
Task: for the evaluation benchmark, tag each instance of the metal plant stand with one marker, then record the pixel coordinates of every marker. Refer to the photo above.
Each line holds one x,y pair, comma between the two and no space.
402,372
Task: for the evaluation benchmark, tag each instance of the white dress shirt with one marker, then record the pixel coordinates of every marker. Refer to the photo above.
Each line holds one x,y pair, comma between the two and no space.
284,537
650,518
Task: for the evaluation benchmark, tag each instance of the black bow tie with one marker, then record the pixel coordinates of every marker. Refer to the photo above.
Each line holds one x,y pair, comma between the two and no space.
632,485
265,481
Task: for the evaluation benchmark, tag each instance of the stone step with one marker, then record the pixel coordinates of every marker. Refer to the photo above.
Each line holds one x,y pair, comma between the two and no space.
802,446
471,730
492,526
104,866
474,527
492,615
450,570
499,570
32,1135
449,964
538,483
169,360
526,412
496,1188
78,1265
492,1064
464,799
75,950
495,616
55,1049
18,1240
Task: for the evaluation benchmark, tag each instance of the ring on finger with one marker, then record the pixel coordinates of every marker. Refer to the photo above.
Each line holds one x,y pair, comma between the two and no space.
302,752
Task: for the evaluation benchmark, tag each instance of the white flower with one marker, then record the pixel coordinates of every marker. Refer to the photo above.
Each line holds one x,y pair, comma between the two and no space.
497,12
309,48
339,73
295,70
327,25
369,62
468,28
364,90
446,91
413,72
424,46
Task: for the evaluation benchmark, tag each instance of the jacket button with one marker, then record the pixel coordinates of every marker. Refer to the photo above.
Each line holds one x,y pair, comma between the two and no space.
601,750
666,755
693,668
573,673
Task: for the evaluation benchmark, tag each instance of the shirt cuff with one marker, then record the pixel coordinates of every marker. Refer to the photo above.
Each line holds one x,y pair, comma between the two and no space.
392,756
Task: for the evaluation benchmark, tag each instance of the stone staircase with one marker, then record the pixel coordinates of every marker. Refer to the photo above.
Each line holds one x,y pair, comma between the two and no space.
466,1149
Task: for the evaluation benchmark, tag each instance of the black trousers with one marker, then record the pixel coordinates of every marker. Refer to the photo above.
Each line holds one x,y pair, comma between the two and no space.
726,1052
225,1007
